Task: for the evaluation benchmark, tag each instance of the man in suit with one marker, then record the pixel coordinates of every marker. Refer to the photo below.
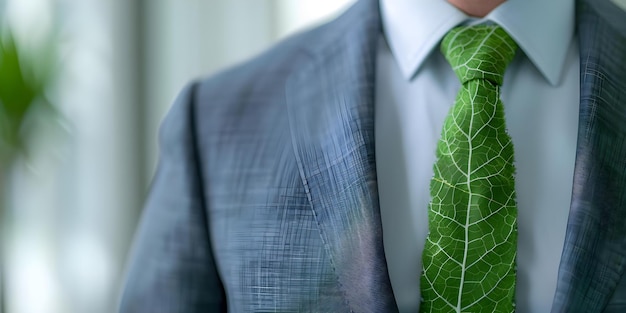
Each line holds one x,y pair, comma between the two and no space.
278,178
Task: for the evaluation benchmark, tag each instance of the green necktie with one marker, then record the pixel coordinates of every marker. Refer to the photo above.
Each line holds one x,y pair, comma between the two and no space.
469,255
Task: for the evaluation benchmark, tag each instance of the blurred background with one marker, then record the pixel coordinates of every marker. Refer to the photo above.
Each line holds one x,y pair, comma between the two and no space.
84,85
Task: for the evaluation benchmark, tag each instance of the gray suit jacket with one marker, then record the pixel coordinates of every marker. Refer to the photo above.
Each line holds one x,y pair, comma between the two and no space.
265,199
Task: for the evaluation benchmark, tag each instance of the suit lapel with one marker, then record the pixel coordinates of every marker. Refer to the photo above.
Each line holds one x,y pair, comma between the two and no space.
594,255
331,114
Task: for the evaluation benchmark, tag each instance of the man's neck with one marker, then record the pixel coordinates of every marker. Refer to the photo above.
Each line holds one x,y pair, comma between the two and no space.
477,8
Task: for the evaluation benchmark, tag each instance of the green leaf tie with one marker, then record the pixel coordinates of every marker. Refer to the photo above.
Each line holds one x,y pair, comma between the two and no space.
469,255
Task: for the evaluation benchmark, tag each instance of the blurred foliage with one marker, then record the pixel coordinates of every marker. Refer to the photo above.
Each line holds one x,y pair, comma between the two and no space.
26,75
25,79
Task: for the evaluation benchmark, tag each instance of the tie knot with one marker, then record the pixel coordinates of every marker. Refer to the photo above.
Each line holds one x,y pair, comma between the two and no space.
479,52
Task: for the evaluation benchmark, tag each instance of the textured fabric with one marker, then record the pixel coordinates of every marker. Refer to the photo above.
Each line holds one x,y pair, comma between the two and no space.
285,174
410,110
266,195
591,277
469,256
172,263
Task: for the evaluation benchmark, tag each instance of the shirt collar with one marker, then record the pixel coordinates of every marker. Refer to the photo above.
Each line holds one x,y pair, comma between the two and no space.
542,29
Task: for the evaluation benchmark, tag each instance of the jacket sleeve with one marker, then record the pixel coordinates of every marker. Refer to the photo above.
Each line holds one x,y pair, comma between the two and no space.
171,267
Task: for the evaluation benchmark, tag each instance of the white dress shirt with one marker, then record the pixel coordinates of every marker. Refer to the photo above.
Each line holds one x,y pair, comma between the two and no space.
415,88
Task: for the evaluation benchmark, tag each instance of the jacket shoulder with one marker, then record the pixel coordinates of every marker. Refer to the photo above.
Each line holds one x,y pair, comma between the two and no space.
266,71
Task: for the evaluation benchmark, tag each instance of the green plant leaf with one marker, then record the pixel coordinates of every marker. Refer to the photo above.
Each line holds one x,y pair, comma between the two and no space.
469,256
25,77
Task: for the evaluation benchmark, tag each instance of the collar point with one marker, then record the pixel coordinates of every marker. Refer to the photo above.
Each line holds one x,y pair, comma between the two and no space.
553,78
